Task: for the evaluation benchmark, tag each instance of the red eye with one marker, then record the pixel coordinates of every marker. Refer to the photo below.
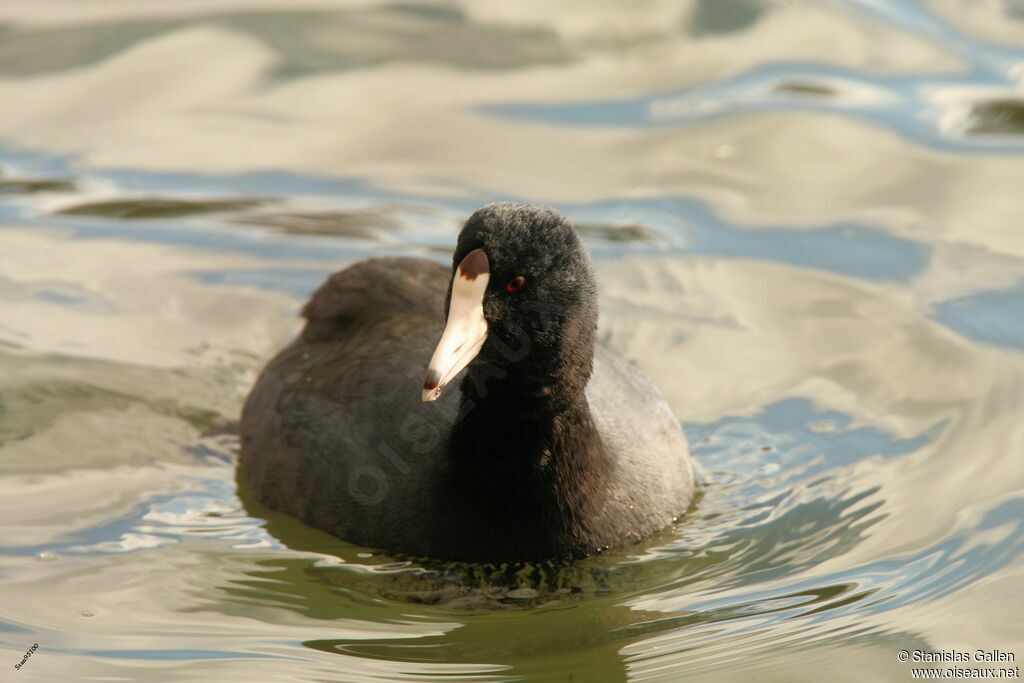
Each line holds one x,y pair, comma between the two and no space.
515,284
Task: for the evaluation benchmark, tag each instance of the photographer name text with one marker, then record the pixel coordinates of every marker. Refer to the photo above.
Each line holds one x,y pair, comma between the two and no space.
961,656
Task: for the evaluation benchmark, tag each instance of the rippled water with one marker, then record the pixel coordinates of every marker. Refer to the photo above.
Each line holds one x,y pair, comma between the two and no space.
807,219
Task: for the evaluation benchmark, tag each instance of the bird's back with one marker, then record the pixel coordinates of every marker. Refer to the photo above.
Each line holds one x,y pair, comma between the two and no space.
334,431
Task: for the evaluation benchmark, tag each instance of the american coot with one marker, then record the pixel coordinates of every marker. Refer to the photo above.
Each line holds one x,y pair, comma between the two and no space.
526,442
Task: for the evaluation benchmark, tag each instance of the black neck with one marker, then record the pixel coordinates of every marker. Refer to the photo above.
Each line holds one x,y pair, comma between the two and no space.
527,467
513,422
529,413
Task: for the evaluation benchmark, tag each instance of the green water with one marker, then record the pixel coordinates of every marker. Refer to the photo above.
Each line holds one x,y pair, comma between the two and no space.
806,219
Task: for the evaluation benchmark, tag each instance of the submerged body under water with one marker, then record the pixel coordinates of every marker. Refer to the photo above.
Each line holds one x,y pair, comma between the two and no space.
804,219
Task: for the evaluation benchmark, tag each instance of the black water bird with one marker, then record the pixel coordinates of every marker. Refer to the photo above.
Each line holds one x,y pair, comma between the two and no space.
526,441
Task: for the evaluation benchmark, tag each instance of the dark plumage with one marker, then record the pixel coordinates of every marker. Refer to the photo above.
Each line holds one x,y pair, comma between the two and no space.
542,448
